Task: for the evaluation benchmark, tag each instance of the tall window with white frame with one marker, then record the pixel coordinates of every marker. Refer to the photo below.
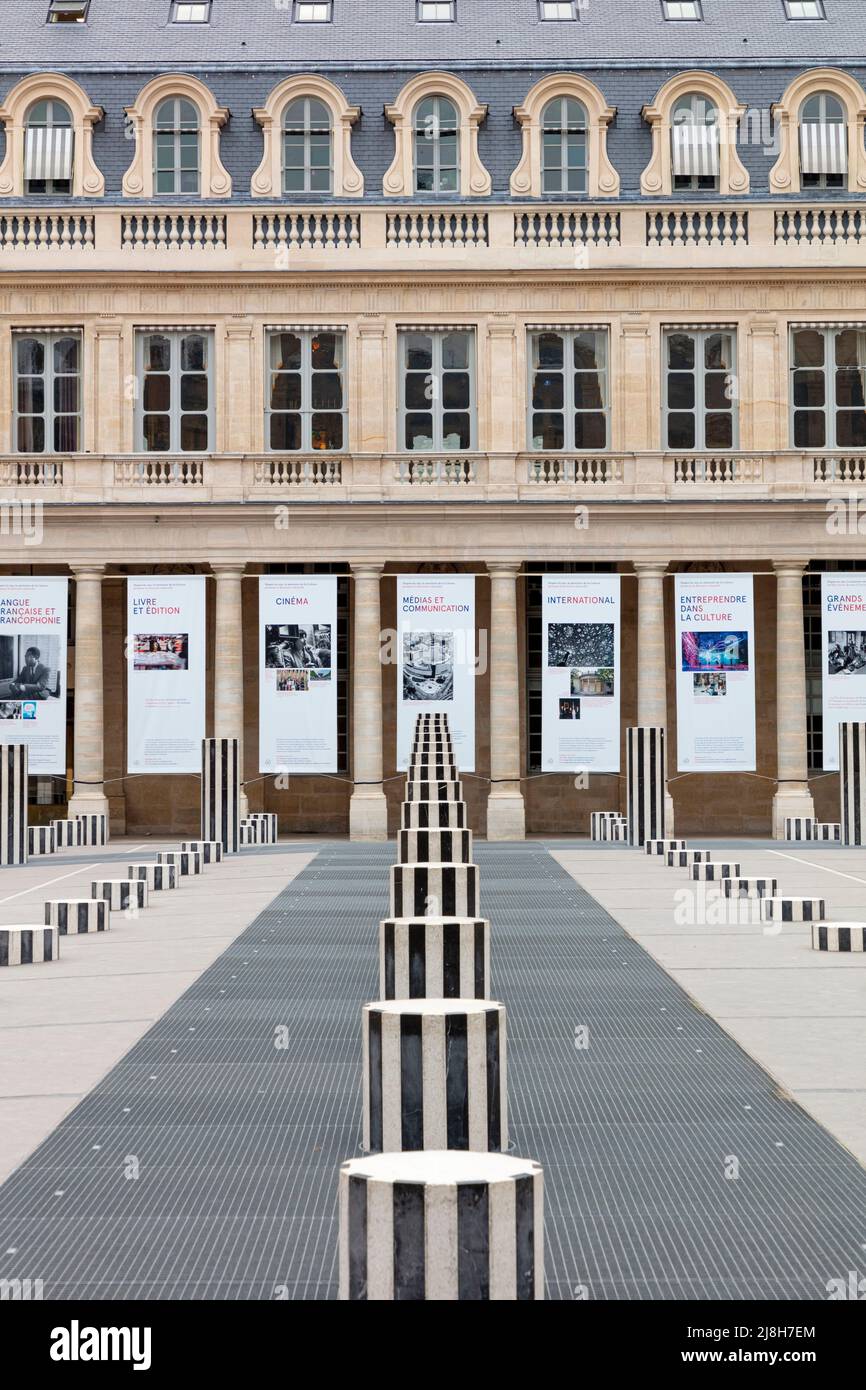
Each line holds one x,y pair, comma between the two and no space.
434,11
694,143
563,147
436,141
174,369
700,396
437,389
47,385
307,147
823,142
313,11
568,389
49,147
176,147
828,387
305,406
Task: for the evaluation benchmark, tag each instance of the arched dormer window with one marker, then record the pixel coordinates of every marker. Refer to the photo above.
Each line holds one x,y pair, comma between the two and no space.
819,126
436,120
564,121
694,143
176,123
176,147
307,132
49,139
436,146
694,122
49,148
307,147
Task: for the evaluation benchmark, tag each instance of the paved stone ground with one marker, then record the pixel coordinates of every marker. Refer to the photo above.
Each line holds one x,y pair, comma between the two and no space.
204,1164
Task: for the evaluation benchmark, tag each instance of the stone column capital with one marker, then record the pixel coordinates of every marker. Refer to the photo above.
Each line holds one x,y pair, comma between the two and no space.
790,567
95,571
227,569
504,568
367,569
649,569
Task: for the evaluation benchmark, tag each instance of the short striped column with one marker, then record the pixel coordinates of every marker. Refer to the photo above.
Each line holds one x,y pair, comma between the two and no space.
77,916
435,846
844,937
433,791
121,894
602,823
685,858
645,783
434,958
828,830
441,1227
158,877
249,833
93,828
221,792
793,909
434,890
749,887
800,828
40,839
434,1075
66,833
434,815
852,783
211,851
267,825
28,945
708,872
185,862
432,770
13,803
663,847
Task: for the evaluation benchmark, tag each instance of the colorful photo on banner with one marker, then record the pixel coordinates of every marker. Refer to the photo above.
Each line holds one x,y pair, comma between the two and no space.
715,651
715,678
843,645
165,626
297,676
160,651
580,723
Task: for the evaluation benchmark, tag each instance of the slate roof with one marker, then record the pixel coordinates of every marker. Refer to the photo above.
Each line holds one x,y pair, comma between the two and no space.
137,34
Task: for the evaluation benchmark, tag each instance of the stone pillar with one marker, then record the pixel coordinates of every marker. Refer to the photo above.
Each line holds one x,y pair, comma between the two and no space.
793,797
88,796
368,810
228,698
506,818
652,691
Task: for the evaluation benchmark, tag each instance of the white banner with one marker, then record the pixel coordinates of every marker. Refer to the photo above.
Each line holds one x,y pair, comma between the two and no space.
843,658
580,673
165,692
715,664
33,618
436,659
297,673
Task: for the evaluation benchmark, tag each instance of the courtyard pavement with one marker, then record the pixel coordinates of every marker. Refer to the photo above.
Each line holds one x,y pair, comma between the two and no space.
204,1064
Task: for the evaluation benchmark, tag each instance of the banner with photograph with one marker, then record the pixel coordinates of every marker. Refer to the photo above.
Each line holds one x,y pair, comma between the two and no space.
843,658
33,619
297,673
580,672
715,656
165,689
436,659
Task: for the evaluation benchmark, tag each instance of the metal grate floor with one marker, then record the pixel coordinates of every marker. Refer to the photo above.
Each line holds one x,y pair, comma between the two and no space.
204,1165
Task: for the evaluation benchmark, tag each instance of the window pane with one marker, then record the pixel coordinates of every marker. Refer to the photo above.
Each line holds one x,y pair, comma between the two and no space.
66,434
327,431
157,354
851,429
286,391
293,180
717,391
31,356
455,431
548,431
590,350
809,388
66,355
193,393
719,431
548,391
326,350
448,181
286,351
419,431
718,352
65,394
590,431
681,431
808,348
455,350
419,390
419,351
31,434
849,388
157,437
327,391
285,432
455,390
549,350
587,391
156,394
849,348
193,433
193,353
681,350
31,395
810,430
681,391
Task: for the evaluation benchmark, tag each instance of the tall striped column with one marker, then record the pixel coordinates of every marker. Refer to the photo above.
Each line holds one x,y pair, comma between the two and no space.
13,803
645,783
852,782
220,792
441,1227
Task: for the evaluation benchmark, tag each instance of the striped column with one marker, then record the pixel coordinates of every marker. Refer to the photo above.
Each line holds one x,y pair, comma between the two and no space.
749,887
266,824
435,846
843,937
434,890
434,958
434,1075
506,815
220,792
800,828
211,851
793,909
645,783
441,1227
77,916
13,803
249,833
121,894
92,828
66,833
663,847
685,858
186,864
40,839
652,699
28,945
434,815
158,877
852,783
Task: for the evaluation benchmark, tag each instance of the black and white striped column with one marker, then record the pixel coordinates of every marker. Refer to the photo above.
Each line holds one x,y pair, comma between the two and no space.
800,828
220,792
645,783
852,783
13,803
441,1227
266,824
663,847
121,894
749,887
92,828
66,833
211,851
612,830
434,958
28,945
434,815
435,846
249,832
434,1075
186,863
685,858
844,937
793,909
40,839
433,791
158,877
708,872
434,890
77,916
828,830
